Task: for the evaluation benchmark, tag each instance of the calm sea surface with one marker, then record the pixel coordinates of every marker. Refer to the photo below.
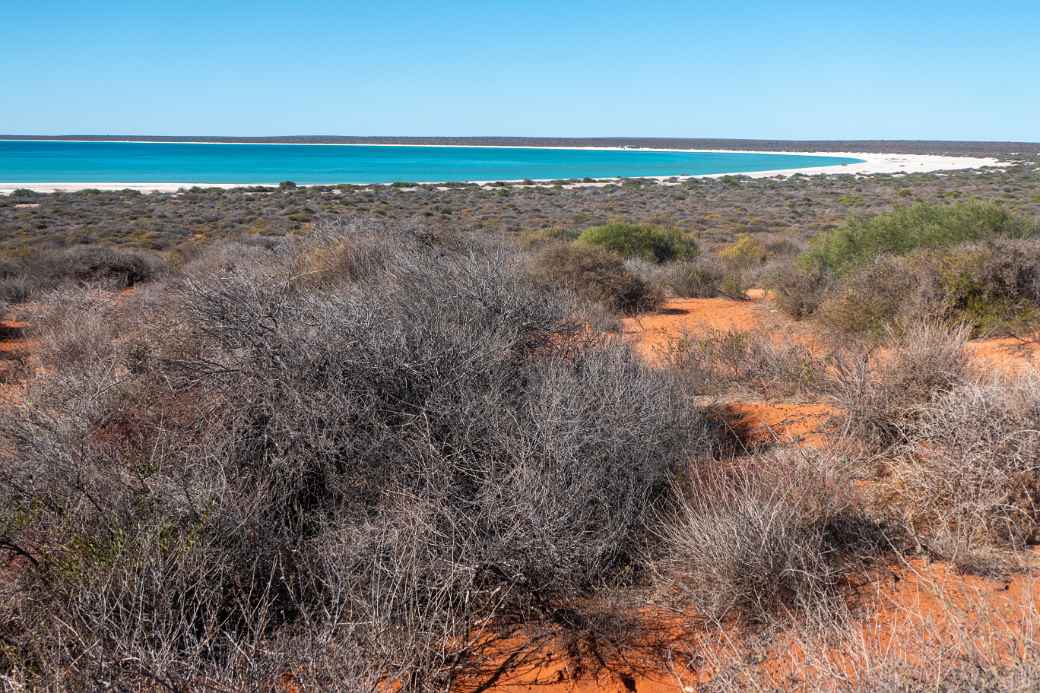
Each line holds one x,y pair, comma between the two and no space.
136,162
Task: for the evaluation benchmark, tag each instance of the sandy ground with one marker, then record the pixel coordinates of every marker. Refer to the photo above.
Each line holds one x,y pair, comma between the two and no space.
872,163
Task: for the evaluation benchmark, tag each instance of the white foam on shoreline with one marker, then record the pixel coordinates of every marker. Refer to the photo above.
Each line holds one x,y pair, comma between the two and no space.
870,164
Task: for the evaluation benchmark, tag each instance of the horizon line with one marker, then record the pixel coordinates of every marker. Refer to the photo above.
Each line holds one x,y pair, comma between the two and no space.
630,138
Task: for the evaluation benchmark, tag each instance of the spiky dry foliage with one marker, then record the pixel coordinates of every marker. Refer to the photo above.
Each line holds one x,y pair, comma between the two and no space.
968,479
24,275
717,361
327,462
770,535
700,278
964,647
881,391
597,275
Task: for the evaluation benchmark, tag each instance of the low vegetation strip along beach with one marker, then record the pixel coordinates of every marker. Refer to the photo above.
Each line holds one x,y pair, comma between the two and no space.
384,439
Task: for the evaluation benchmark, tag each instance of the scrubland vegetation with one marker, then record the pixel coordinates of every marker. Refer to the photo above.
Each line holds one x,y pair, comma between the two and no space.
387,454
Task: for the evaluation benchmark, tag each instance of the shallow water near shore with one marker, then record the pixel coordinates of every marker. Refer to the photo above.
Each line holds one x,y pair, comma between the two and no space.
144,162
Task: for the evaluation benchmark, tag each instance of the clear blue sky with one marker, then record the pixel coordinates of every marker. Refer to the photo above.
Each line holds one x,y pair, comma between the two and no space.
835,69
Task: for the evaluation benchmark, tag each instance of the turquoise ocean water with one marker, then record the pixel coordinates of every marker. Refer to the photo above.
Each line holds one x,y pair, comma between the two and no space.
139,162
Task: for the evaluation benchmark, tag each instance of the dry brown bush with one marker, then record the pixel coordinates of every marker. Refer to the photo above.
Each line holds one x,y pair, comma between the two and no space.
717,361
243,477
881,391
597,275
767,536
968,479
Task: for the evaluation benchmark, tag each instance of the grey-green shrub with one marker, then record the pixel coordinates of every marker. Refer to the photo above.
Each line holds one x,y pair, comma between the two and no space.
650,243
907,229
596,275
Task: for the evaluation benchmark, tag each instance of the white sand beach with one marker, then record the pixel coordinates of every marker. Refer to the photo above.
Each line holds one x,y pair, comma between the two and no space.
883,163
871,164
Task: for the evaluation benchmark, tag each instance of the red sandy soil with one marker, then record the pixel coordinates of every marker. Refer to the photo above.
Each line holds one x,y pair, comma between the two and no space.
789,423
754,421
904,614
650,333
15,350
1010,354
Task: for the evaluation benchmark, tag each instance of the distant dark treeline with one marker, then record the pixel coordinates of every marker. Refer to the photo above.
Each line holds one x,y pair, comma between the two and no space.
880,146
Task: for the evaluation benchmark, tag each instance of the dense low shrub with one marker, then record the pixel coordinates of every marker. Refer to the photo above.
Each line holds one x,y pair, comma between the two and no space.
650,243
351,481
968,263
969,478
871,297
882,391
745,253
717,361
15,288
764,537
597,275
994,287
700,278
799,290
539,238
910,228
94,264
118,268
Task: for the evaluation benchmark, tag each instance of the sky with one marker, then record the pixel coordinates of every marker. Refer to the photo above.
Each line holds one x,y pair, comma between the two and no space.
778,70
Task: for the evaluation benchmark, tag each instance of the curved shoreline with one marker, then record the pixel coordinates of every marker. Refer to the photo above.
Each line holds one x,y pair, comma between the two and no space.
870,164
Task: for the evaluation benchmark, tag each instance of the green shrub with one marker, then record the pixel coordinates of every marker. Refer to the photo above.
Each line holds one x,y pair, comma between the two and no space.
993,287
744,253
700,278
650,243
537,238
909,228
799,288
734,285
597,275
869,298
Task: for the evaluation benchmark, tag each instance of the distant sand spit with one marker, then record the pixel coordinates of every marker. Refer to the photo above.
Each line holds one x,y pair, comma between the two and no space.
871,164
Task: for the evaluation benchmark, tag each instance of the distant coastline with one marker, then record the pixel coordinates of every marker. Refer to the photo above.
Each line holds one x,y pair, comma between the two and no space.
75,164
870,164
856,162
933,147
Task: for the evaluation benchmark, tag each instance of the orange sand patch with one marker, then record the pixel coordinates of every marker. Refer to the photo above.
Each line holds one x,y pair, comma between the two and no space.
916,613
553,670
760,294
1008,354
906,614
15,349
651,333
781,422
